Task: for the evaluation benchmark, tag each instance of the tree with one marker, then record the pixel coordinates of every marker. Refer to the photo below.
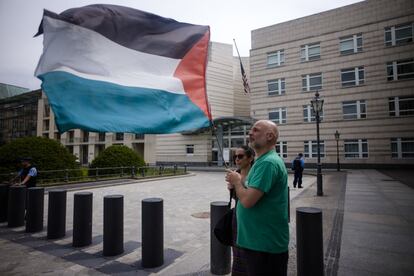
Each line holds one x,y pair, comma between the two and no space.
46,154
117,156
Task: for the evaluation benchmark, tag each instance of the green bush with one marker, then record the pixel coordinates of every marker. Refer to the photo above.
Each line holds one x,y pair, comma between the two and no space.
47,155
116,156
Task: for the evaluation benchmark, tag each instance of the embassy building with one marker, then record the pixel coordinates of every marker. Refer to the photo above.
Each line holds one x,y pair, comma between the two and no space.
360,58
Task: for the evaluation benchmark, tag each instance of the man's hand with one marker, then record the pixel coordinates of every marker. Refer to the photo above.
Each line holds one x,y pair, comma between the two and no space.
248,196
233,178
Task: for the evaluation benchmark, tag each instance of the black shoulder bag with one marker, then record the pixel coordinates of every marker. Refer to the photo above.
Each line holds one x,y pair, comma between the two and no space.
224,227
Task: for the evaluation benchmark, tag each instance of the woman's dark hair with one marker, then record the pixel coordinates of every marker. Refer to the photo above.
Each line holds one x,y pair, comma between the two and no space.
249,152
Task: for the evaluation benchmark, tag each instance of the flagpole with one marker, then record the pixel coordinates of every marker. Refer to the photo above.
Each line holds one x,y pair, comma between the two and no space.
237,49
243,72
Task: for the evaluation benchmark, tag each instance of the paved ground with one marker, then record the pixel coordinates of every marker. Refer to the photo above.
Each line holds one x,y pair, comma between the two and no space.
378,227
186,238
368,224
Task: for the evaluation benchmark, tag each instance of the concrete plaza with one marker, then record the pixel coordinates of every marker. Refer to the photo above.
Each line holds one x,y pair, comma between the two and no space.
368,224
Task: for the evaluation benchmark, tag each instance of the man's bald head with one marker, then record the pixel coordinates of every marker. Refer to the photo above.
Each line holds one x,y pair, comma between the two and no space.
269,128
263,135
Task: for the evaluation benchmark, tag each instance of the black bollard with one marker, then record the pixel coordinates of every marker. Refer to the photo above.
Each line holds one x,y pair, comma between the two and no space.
4,196
220,256
113,232
56,218
152,232
288,204
82,219
35,207
16,206
309,240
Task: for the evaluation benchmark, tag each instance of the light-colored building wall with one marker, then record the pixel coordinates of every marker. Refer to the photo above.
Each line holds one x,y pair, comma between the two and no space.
369,18
219,79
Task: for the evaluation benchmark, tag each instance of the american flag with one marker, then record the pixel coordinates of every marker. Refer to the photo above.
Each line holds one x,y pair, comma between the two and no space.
244,78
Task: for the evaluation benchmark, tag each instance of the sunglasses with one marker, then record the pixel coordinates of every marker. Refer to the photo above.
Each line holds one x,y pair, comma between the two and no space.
239,156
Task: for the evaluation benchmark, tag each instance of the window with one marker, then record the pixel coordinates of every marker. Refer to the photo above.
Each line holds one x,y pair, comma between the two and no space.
281,149
101,137
275,58
401,106
312,82
352,76
399,35
311,149
278,115
350,44
139,136
354,110
310,52
356,148
237,142
119,136
401,69
71,136
85,136
276,87
189,149
46,111
57,136
309,115
402,147
45,125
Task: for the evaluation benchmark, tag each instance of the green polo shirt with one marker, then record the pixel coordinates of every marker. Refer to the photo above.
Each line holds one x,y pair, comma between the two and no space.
264,227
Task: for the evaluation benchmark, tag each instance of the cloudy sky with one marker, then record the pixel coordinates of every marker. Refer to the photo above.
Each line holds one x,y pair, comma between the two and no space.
228,19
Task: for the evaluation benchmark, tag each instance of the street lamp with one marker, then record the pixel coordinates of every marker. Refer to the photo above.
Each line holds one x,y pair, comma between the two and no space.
317,104
337,134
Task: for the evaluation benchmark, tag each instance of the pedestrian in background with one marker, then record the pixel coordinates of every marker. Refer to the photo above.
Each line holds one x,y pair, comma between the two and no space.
298,165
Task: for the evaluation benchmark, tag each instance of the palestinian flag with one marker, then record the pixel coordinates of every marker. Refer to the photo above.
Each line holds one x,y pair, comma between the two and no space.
108,68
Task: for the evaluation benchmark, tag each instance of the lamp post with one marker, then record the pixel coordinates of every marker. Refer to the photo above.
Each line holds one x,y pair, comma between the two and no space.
337,134
317,104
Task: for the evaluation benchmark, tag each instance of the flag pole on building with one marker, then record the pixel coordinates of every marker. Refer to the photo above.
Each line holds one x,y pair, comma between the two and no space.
243,72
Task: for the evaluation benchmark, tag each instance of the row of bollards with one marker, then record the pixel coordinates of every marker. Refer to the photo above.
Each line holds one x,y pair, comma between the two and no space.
27,204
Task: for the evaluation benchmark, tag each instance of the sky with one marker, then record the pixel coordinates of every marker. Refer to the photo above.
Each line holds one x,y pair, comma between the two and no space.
228,19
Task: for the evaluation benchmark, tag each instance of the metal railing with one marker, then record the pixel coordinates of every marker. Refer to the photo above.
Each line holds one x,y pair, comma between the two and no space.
53,177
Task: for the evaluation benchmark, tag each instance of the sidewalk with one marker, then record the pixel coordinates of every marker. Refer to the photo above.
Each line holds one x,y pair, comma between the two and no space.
378,228
368,224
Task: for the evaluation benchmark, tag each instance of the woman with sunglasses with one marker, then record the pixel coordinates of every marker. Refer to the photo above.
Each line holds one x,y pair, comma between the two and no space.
244,159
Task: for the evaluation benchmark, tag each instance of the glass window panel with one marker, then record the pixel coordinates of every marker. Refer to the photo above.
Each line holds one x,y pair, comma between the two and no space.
348,76
348,109
315,80
359,42
304,83
407,146
237,142
361,76
274,116
403,35
388,38
314,51
272,86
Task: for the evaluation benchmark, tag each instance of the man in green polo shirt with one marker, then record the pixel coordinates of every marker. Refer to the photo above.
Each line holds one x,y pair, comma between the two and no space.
262,209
